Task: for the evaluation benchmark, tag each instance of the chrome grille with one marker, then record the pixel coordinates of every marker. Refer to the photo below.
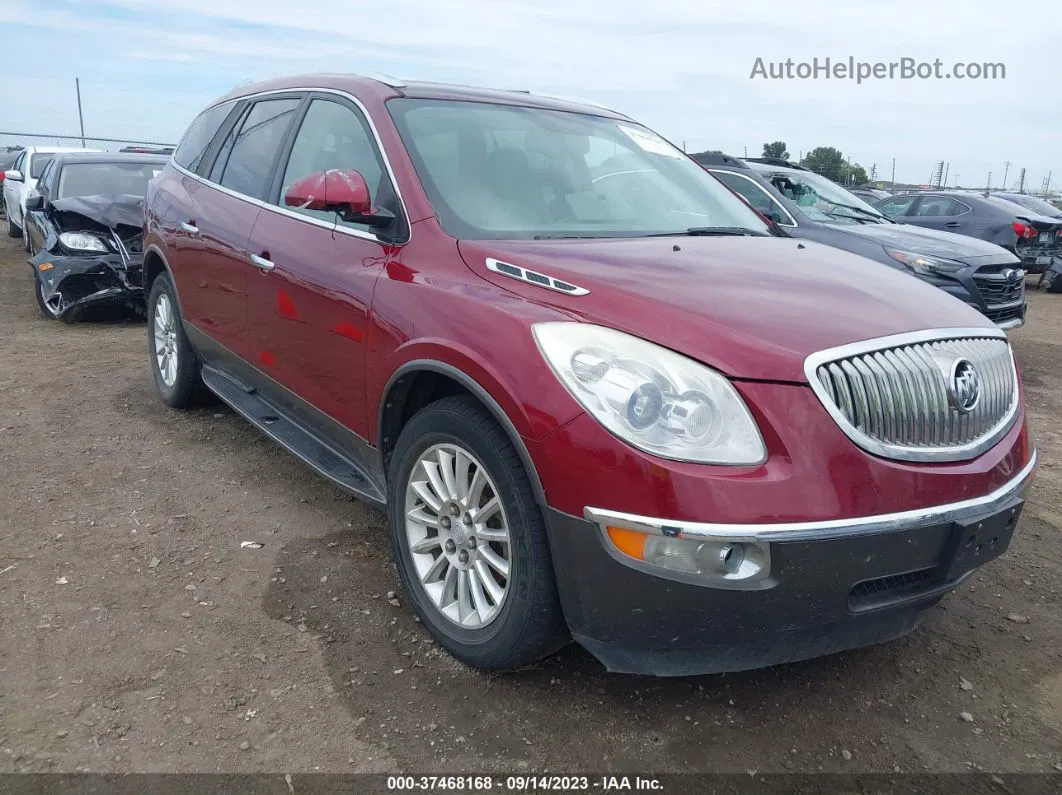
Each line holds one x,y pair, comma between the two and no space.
996,289
896,397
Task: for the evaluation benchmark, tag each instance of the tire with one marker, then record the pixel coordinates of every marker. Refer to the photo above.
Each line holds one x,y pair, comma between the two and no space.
527,622
46,310
13,230
179,386
1049,282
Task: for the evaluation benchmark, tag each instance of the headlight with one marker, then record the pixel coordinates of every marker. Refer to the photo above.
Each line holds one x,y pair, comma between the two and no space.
920,263
651,397
81,241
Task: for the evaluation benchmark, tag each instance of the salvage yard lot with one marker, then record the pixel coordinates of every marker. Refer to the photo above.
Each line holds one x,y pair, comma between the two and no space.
137,635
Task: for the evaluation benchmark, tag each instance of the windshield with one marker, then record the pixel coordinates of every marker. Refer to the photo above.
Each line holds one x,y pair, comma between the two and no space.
105,179
823,200
1036,205
38,164
501,171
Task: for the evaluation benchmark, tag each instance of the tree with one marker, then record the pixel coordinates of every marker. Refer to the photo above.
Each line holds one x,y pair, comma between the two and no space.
858,175
827,161
776,149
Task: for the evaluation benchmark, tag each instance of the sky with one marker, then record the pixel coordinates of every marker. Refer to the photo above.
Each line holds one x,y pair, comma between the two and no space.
682,67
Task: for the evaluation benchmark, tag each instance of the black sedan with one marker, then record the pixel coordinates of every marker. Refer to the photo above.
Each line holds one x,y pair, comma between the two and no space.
808,205
1035,238
84,228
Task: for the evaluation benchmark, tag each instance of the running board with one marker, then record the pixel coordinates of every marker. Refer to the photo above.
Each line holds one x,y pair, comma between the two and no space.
293,436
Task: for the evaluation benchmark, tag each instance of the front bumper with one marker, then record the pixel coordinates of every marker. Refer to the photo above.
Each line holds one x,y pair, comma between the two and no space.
831,585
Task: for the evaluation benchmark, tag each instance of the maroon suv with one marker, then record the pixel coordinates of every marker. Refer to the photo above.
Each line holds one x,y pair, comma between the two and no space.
599,397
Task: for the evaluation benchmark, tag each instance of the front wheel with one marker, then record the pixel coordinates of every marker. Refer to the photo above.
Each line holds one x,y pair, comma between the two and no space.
173,362
469,540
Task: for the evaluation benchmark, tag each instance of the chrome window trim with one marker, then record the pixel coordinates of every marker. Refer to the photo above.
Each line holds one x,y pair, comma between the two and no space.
335,225
898,452
826,529
788,215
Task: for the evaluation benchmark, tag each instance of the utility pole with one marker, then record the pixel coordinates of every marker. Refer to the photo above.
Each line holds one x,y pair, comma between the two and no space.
946,167
874,172
1005,172
893,176
1021,182
988,185
746,151
80,118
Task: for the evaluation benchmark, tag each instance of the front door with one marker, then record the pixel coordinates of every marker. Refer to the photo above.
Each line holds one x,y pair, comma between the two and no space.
309,298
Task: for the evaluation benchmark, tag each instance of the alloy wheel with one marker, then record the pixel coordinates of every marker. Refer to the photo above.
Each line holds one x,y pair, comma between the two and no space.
458,536
166,339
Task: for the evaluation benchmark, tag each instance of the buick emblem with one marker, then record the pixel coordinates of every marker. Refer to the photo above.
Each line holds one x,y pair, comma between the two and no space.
964,386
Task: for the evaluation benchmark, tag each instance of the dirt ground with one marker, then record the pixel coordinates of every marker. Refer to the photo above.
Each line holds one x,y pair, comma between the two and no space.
137,635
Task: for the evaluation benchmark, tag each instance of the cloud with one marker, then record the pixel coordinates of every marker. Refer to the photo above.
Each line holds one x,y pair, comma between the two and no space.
681,67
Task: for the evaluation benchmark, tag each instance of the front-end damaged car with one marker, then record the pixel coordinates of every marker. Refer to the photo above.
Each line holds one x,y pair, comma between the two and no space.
84,230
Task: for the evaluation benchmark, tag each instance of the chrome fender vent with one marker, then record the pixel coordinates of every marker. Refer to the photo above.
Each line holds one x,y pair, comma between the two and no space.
532,277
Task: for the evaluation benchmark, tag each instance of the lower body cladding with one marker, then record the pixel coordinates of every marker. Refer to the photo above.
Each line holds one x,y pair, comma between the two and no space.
648,597
69,285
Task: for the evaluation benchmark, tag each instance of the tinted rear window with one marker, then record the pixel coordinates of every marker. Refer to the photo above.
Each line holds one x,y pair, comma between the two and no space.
37,165
199,135
249,167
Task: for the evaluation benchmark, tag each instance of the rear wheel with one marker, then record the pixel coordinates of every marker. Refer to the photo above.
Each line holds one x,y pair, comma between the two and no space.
173,362
469,540
1050,282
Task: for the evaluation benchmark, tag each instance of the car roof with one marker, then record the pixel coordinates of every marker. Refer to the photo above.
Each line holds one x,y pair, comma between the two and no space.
389,88
51,150
66,158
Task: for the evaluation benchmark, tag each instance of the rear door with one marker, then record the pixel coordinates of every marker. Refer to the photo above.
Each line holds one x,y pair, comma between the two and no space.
216,224
944,214
12,192
308,308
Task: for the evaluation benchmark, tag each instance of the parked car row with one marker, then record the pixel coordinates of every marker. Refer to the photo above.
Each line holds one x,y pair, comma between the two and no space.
686,419
1035,238
809,206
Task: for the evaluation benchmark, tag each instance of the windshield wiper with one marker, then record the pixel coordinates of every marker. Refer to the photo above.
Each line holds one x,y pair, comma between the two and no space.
861,211
713,231
567,237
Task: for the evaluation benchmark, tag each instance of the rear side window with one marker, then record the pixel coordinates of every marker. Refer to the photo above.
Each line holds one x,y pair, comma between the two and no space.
199,135
38,164
249,167
938,206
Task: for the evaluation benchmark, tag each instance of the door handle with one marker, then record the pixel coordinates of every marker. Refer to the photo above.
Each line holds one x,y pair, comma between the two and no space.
262,263
951,224
191,229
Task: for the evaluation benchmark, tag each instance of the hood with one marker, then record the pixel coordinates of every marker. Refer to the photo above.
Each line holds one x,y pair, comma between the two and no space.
108,211
751,307
931,242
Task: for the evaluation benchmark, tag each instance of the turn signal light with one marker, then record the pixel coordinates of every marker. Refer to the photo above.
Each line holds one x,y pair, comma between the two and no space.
711,560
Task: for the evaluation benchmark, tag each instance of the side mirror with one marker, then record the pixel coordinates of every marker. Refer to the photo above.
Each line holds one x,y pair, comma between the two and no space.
34,202
340,191
14,175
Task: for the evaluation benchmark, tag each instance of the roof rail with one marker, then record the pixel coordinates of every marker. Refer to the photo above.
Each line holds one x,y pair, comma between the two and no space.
576,100
718,159
776,161
386,79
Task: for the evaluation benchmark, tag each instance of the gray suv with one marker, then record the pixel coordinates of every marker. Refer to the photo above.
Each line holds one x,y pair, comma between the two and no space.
807,205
